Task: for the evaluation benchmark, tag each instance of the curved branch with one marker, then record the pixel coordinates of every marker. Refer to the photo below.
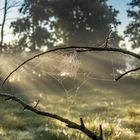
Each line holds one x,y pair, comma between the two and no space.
81,127
78,49
125,73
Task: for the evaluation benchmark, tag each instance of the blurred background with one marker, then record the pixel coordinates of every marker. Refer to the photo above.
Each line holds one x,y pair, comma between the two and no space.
70,84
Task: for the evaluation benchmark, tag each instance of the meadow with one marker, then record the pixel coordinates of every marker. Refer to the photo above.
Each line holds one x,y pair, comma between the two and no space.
113,105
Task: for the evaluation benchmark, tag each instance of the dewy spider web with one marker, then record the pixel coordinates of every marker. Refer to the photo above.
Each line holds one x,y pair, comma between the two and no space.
63,66
68,67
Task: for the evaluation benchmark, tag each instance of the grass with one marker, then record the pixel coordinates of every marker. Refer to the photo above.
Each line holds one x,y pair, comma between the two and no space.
120,118
114,105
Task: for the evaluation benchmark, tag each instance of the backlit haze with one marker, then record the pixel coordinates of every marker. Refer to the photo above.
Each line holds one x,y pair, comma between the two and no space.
120,5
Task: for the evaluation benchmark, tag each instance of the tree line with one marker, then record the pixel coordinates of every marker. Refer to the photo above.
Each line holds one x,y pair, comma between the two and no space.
45,23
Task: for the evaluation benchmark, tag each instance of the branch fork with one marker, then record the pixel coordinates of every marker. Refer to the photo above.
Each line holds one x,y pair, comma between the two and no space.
81,127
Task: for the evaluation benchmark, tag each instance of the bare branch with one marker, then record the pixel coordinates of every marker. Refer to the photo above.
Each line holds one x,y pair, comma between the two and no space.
3,23
82,123
37,103
101,132
1,8
13,5
125,73
81,127
75,48
7,99
107,39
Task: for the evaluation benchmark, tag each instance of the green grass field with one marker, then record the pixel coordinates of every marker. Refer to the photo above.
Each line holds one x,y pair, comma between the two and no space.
114,105
119,116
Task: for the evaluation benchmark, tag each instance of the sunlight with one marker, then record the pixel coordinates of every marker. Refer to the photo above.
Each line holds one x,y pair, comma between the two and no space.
69,65
126,44
63,74
2,132
15,78
61,60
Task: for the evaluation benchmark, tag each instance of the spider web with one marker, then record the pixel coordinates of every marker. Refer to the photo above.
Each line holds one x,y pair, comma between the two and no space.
68,67
65,67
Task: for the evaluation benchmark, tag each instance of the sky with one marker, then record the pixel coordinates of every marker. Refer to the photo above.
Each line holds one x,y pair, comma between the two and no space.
120,5
12,15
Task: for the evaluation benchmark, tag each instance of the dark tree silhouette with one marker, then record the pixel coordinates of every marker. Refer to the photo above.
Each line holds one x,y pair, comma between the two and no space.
133,29
44,22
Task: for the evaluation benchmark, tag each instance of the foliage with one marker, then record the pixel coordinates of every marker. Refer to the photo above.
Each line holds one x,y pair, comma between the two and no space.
133,29
85,22
118,123
48,23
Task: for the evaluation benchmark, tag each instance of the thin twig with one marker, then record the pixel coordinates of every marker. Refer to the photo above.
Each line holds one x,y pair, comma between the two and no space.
68,123
125,73
101,132
37,103
107,39
75,48
82,123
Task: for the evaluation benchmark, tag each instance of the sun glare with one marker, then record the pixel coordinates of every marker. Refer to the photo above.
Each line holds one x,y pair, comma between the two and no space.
63,74
69,65
126,44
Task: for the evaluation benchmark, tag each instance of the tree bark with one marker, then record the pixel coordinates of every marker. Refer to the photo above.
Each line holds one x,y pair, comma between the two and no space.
3,24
